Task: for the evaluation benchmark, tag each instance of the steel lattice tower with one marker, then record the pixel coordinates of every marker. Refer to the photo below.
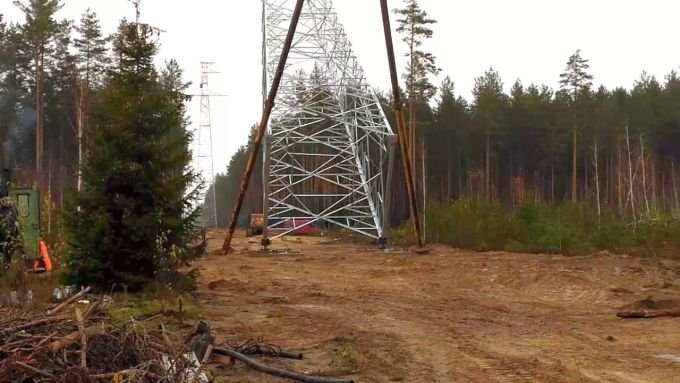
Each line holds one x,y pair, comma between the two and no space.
204,149
328,148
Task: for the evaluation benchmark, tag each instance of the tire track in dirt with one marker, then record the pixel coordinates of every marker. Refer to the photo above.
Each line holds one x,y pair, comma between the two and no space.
450,316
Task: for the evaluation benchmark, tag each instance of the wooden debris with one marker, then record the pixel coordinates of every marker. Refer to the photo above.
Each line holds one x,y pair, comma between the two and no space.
69,301
649,308
648,313
81,343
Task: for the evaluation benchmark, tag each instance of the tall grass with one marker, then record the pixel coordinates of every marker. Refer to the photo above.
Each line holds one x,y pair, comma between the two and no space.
539,228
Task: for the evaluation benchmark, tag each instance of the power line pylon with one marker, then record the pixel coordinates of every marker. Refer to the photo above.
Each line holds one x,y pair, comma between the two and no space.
328,146
274,77
204,149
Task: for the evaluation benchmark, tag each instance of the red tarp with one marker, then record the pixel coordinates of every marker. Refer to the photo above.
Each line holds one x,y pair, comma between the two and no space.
297,222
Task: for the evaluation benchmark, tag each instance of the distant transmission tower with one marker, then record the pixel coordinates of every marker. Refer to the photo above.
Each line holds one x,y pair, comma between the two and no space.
204,149
328,147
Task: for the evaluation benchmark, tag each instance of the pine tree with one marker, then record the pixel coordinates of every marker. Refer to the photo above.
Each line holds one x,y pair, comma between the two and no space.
58,109
414,26
135,221
576,79
489,108
448,139
14,92
39,33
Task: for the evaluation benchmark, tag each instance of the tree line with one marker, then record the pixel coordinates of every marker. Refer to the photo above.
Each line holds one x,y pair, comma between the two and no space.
603,151
609,149
102,132
50,72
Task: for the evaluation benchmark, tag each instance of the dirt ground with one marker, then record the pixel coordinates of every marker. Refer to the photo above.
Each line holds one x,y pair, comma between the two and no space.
450,316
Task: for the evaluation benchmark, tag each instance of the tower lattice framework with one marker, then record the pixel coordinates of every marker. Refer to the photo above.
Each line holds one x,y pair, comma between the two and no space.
204,149
328,148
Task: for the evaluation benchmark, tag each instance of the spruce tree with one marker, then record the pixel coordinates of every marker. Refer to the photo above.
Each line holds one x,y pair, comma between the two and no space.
91,46
135,219
92,59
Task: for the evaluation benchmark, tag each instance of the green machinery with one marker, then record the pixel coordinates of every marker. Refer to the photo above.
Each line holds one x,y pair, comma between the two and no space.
19,214
27,202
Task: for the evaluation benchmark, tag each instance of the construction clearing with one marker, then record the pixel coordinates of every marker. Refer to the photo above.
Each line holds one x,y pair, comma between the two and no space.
319,255
451,316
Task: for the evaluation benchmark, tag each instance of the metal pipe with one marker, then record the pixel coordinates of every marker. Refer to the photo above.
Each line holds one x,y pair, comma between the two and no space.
401,130
268,106
265,150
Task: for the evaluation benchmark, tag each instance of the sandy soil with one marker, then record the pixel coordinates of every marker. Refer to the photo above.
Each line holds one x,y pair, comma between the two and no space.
450,316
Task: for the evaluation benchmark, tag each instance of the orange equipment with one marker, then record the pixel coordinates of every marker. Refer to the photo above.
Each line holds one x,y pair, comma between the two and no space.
44,257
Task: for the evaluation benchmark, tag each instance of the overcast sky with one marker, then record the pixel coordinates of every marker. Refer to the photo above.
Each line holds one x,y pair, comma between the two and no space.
527,39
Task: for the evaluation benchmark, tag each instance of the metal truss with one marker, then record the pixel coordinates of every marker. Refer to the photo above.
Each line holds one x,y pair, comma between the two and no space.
328,144
203,151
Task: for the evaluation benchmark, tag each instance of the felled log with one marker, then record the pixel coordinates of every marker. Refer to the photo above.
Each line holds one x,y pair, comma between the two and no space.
650,308
276,371
648,313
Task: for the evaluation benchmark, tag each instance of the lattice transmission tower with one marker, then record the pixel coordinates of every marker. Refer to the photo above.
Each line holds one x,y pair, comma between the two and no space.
328,148
204,149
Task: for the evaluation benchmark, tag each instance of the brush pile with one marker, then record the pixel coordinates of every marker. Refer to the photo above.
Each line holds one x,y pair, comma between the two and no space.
76,341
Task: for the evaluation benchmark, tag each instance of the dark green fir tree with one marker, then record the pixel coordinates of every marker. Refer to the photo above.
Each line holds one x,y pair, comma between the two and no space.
135,220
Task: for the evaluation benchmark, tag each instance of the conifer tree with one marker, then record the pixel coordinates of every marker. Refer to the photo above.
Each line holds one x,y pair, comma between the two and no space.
414,25
135,219
489,109
39,34
92,59
576,79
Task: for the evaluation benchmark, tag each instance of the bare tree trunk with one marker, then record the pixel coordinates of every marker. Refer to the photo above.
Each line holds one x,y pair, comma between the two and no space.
675,188
586,177
655,206
644,173
630,178
424,159
488,172
469,182
663,190
460,176
39,57
552,183
608,179
597,180
446,197
49,197
80,121
574,188
618,176
412,123
412,106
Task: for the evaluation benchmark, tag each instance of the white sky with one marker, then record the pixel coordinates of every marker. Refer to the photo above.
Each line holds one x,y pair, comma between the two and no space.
527,39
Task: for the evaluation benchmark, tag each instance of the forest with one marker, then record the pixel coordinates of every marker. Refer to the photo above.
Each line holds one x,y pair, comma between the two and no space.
572,169
91,122
524,166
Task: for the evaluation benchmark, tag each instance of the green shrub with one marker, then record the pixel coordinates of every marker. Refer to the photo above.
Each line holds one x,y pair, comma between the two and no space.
467,224
540,228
